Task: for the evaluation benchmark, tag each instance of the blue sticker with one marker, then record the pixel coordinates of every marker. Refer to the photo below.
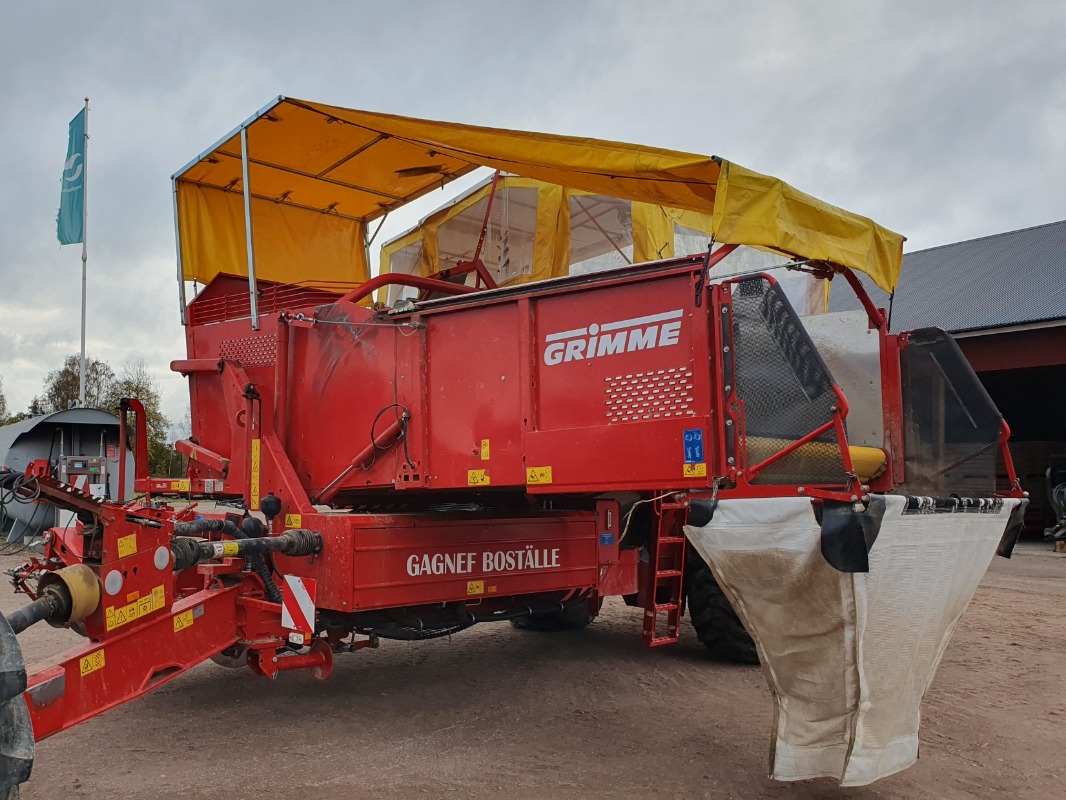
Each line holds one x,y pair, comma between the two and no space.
694,446
606,538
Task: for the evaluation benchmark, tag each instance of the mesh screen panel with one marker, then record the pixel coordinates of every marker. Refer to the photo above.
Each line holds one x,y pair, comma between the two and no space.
509,239
950,423
601,233
785,386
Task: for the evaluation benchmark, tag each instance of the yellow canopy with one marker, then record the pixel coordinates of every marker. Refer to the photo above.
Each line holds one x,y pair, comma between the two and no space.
319,172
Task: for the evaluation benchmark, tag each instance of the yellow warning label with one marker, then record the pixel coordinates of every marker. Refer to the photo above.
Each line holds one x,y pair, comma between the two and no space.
696,470
475,587
91,663
230,548
180,486
127,545
538,474
183,620
484,449
117,616
477,477
294,520
253,489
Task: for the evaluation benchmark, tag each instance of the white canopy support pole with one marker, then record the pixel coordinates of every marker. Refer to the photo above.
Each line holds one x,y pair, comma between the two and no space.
252,290
177,246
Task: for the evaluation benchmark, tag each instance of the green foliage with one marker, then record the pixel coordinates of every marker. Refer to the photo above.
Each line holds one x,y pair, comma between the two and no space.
61,386
6,417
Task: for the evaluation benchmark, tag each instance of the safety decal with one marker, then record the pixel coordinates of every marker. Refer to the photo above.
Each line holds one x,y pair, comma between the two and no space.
694,446
484,449
127,545
180,486
538,474
695,470
294,520
183,620
298,604
253,490
91,663
475,587
477,477
117,616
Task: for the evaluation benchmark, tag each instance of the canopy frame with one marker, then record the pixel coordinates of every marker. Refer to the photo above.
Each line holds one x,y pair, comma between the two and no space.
296,173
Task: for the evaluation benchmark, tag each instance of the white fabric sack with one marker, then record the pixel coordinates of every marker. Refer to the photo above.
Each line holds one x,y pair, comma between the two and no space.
848,656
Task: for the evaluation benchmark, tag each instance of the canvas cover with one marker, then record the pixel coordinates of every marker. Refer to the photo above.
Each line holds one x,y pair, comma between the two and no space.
848,656
331,170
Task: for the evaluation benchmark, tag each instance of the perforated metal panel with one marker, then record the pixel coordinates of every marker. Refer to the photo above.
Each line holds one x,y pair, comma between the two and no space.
252,351
656,394
785,386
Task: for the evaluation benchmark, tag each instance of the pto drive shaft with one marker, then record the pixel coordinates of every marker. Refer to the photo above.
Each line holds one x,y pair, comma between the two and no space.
66,595
189,552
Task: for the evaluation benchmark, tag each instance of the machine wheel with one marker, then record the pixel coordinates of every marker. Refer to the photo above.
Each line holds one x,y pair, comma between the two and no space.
573,618
234,657
717,624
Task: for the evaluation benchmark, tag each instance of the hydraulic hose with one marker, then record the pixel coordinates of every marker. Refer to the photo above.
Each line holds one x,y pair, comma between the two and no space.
189,552
250,527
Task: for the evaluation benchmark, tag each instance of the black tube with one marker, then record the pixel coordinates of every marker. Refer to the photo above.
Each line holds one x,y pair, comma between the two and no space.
251,527
40,609
199,526
188,552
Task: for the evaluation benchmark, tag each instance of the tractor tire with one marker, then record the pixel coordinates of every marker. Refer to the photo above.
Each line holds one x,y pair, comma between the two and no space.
574,618
717,625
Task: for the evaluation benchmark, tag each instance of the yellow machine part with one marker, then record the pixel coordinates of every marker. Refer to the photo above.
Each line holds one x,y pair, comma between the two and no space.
81,583
869,462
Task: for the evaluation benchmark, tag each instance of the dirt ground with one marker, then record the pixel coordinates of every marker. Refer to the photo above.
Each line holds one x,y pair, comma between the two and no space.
497,712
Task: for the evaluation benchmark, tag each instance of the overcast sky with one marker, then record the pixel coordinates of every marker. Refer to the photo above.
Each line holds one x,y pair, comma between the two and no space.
941,120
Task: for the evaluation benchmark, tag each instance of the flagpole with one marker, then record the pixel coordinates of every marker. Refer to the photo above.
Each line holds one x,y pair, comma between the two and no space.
84,251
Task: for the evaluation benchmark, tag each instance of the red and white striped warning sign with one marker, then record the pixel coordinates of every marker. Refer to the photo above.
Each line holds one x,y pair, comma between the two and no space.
298,604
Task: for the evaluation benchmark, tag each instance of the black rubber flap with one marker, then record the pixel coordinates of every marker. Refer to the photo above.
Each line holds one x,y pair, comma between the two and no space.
700,512
1013,530
848,535
16,731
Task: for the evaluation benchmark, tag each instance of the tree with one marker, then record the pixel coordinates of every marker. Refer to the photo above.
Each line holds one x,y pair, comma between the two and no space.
103,390
61,385
136,381
6,417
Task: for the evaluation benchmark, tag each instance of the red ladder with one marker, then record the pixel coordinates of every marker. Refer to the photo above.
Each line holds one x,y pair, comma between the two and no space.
665,576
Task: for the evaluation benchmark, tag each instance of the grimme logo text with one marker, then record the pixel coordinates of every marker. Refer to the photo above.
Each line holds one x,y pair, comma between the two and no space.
624,336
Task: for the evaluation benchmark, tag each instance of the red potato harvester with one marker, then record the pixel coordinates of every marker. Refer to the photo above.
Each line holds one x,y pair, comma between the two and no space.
669,432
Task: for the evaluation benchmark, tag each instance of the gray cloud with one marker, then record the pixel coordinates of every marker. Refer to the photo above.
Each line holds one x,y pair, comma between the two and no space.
941,120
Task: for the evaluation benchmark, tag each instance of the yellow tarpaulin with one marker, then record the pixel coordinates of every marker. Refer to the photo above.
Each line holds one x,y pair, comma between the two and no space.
313,161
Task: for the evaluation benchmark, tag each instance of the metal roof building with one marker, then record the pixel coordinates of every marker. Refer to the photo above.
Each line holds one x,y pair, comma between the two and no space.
1009,279
1003,297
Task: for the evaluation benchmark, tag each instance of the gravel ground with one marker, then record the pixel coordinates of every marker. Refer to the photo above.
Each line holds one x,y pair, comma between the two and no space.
496,712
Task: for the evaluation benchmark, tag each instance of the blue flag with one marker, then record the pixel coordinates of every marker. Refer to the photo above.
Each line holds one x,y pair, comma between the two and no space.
70,224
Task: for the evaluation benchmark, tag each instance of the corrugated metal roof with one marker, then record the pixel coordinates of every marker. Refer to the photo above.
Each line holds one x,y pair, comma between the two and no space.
77,416
1010,278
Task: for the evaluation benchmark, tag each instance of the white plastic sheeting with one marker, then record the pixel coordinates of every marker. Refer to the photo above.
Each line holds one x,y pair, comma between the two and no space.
848,656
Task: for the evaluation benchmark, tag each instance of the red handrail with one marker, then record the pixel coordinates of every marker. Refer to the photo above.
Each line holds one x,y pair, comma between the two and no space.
429,284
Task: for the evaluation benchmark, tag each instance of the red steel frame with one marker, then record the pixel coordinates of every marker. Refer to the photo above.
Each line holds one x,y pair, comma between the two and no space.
158,624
